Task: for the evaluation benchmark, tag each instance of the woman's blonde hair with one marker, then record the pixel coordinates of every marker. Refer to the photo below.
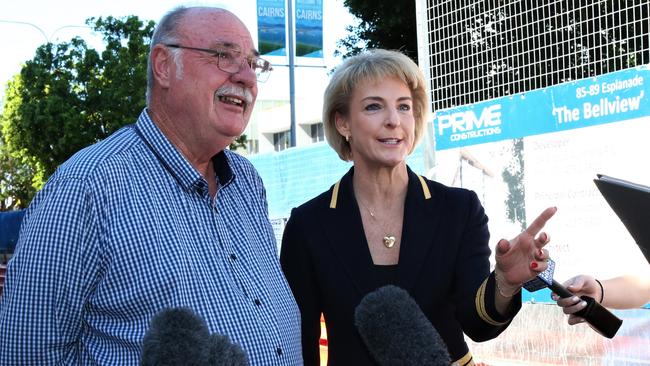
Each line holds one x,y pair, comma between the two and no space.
371,65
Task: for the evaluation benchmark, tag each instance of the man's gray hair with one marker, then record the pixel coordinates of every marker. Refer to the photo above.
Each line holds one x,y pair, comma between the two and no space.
166,32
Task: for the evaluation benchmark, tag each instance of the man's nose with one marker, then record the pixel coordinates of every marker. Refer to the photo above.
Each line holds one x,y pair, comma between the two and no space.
245,75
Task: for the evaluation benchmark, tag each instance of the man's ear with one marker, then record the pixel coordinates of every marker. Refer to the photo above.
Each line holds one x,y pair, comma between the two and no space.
342,124
162,62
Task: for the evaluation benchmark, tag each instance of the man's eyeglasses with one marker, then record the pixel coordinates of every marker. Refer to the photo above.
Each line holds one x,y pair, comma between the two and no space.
231,62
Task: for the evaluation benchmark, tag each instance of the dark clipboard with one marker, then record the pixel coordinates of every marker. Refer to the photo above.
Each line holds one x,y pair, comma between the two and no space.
631,202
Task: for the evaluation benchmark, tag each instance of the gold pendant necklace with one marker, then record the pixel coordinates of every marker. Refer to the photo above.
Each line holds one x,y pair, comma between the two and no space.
388,240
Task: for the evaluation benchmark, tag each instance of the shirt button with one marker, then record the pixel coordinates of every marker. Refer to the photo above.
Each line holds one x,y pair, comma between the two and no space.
233,257
201,189
279,351
258,303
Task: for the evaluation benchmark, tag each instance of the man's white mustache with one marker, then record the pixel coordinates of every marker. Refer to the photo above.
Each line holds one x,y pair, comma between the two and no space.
235,91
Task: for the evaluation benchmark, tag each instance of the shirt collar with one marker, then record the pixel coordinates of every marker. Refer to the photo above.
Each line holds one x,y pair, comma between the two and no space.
175,162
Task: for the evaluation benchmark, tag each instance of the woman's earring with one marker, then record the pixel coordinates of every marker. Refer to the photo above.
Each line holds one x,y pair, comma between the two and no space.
347,138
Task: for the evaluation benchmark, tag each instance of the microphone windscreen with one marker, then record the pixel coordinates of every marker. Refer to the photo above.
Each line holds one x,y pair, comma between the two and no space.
176,336
396,331
223,352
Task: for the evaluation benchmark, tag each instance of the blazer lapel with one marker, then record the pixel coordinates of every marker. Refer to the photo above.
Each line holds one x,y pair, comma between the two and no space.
421,218
345,235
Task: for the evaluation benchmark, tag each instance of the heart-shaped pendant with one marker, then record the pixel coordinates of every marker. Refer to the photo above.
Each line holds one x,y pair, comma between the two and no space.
389,241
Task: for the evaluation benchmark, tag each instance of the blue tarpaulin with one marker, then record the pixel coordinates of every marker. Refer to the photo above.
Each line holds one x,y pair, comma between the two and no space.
9,228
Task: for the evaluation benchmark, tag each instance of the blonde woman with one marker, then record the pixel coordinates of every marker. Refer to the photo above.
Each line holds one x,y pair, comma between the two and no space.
383,224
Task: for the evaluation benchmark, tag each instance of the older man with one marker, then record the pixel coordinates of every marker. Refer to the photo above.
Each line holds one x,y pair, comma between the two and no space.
158,215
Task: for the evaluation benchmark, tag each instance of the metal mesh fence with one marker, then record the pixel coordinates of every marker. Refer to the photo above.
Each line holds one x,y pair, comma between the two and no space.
480,50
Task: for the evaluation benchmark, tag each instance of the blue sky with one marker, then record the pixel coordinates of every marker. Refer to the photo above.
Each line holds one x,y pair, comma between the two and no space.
62,20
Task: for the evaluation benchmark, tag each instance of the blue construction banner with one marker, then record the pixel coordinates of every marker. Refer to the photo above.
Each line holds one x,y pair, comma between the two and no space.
604,99
9,228
309,28
271,29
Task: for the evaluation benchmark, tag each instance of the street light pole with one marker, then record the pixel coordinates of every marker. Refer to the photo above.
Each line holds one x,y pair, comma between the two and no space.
68,26
292,83
292,80
47,39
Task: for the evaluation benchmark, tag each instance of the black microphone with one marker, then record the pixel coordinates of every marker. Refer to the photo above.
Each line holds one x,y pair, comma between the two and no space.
396,331
598,317
221,351
178,336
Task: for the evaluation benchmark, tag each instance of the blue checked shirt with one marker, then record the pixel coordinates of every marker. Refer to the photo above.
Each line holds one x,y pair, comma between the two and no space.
126,228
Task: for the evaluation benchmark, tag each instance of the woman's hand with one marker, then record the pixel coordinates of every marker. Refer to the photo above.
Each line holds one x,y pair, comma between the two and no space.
524,257
622,292
578,285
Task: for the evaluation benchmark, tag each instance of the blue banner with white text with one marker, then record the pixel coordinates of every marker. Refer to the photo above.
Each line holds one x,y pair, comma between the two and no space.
309,28
271,28
588,102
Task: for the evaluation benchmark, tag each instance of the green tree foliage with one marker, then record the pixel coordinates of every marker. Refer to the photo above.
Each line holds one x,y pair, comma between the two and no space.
382,24
18,176
16,179
67,97
513,176
71,96
239,143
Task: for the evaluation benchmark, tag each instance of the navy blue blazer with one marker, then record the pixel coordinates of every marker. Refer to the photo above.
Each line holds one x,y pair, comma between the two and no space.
443,264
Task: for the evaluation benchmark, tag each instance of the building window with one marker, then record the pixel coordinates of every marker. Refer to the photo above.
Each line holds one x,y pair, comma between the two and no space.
253,146
317,133
281,140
